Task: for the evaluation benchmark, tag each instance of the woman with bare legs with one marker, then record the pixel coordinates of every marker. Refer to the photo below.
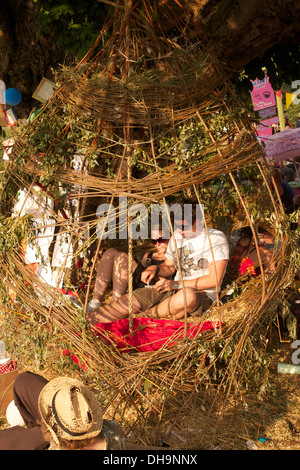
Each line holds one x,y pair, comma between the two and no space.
113,269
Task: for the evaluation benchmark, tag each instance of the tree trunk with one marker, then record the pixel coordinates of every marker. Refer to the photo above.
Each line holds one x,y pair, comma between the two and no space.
24,59
239,31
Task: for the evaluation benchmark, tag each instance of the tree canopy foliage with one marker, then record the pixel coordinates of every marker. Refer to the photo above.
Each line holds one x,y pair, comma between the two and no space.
75,26
72,25
37,35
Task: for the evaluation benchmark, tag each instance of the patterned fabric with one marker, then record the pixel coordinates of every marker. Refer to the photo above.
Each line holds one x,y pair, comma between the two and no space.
196,254
7,367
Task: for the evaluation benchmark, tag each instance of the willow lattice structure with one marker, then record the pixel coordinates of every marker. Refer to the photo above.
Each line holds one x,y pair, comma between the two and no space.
148,117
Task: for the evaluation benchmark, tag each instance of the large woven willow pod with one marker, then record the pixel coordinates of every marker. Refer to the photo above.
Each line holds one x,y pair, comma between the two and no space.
116,108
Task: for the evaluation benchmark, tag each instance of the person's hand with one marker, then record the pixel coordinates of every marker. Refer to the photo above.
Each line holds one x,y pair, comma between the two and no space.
149,273
166,285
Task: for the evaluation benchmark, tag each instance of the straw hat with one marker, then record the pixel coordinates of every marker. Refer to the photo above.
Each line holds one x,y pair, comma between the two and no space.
70,410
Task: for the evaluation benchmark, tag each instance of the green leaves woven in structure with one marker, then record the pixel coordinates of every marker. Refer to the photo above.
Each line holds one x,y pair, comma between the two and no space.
13,231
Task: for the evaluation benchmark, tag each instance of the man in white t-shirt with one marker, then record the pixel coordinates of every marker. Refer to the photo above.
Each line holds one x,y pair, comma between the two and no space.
203,255
196,258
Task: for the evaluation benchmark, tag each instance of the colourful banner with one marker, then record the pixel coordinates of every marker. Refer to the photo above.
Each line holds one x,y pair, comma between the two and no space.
289,99
267,112
265,128
262,95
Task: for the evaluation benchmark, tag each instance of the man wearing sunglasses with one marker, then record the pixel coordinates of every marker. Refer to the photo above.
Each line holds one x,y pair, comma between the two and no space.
189,278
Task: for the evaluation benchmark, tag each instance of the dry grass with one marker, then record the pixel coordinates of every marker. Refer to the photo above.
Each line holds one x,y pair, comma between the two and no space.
209,422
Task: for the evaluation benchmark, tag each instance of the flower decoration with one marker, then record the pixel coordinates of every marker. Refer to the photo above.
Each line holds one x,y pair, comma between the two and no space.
75,359
247,267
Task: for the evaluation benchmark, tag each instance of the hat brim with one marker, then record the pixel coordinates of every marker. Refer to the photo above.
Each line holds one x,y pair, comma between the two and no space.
48,416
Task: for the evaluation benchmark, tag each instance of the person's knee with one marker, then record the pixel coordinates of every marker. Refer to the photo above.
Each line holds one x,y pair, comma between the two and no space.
27,380
111,252
122,256
175,307
189,298
21,379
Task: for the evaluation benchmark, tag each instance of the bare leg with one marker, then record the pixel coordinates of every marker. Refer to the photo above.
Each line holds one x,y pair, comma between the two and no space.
267,259
104,273
174,307
112,312
113,267
120,275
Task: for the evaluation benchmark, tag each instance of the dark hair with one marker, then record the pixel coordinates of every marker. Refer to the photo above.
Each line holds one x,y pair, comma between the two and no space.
193,203
246,231
276,173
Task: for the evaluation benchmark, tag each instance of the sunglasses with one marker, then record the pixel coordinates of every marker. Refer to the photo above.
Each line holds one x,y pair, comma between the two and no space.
159,240
182,225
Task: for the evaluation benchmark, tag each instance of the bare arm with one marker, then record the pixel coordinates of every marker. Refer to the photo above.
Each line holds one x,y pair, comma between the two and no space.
209,281
165,270
213,278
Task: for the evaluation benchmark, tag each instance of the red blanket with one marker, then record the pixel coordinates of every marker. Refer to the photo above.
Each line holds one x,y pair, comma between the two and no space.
149,334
